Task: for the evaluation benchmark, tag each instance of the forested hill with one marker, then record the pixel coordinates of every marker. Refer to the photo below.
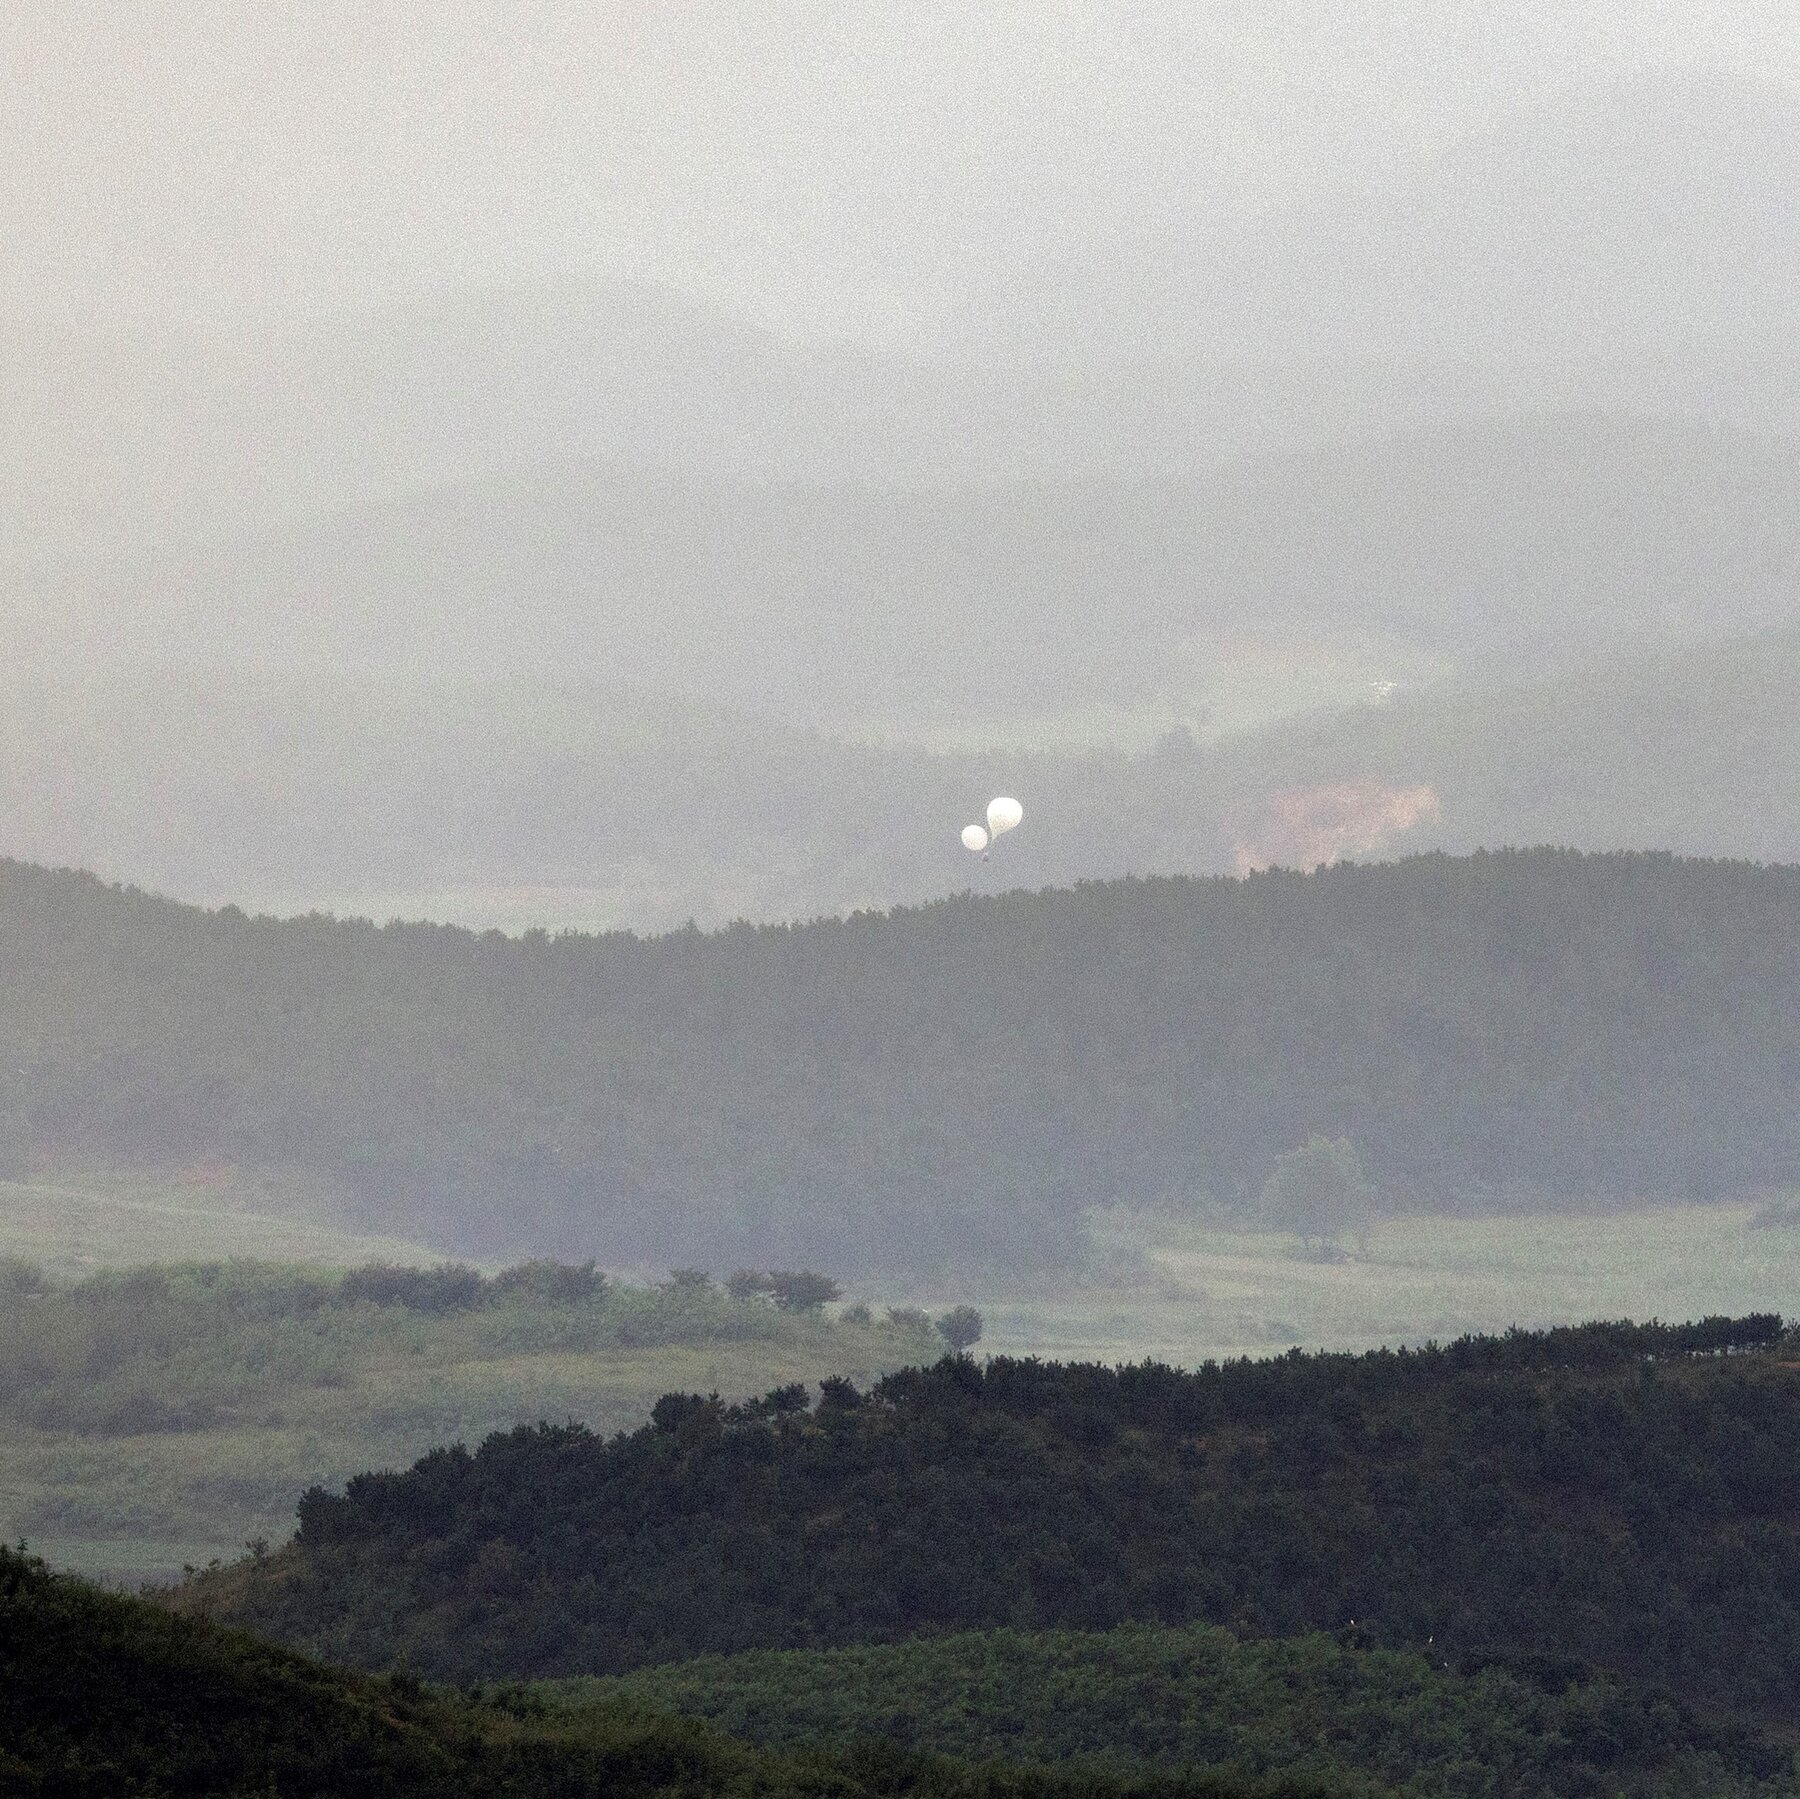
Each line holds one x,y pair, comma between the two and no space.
1616,1495
107,1696
1170,1696
949,1084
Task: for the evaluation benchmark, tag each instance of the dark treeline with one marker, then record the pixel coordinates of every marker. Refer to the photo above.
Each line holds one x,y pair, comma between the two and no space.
107,1696
949,1085
1618,1495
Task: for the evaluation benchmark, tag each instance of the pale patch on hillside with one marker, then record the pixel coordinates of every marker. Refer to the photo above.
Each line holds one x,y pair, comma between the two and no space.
71,1221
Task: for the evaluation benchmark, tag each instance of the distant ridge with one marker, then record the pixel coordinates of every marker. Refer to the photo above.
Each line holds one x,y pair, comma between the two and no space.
950,1085
1492,543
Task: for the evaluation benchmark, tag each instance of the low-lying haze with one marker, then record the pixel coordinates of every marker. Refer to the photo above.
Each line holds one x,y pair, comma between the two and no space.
900,172
472,462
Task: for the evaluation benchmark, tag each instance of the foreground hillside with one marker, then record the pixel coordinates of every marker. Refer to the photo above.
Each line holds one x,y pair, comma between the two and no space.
1617,1494
155,1416
1144,1696
105,1696
951,1085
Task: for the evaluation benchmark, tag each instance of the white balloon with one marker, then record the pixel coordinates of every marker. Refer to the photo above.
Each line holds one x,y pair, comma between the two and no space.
974,837
1003,815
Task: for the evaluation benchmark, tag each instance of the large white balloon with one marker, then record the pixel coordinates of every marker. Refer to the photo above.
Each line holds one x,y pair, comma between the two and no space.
974,837
1003,815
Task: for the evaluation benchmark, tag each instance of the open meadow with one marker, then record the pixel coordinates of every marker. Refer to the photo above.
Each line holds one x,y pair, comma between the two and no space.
164,1415
1183,1292
195,1436
141,1505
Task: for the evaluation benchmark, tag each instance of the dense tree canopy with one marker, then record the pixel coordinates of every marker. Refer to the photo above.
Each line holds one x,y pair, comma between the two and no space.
1145,1695
940,1086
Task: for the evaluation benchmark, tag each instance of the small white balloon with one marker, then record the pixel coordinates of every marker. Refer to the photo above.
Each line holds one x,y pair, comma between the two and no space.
974,837
1003,815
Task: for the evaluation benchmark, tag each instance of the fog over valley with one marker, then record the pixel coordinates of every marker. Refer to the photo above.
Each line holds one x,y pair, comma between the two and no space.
1495,386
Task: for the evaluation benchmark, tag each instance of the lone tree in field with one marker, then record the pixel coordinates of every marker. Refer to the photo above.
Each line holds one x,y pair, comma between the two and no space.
555,1283
960,1327
1317,1191
800,1290
750,1283
449,1287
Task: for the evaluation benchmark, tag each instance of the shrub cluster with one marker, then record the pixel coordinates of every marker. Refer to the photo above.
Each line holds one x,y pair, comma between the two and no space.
793,1290
197,1347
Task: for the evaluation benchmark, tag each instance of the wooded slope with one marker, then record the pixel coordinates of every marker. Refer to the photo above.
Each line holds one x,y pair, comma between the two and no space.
1614,1494
939,1087
1145,1695
107,1696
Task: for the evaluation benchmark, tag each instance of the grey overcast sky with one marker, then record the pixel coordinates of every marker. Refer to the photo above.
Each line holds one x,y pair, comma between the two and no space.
827,168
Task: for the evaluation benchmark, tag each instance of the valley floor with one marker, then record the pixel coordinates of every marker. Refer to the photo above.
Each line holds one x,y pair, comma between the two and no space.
1184,1293
132,1507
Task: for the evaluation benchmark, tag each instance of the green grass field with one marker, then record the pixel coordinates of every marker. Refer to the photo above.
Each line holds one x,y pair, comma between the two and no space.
1183,1292
160,1416
136,1506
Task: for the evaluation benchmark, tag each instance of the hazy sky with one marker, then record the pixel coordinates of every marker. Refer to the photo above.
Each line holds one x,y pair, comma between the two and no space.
1044,194
827,167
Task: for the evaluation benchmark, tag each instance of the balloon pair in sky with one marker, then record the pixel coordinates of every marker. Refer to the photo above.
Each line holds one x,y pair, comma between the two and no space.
1003,815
